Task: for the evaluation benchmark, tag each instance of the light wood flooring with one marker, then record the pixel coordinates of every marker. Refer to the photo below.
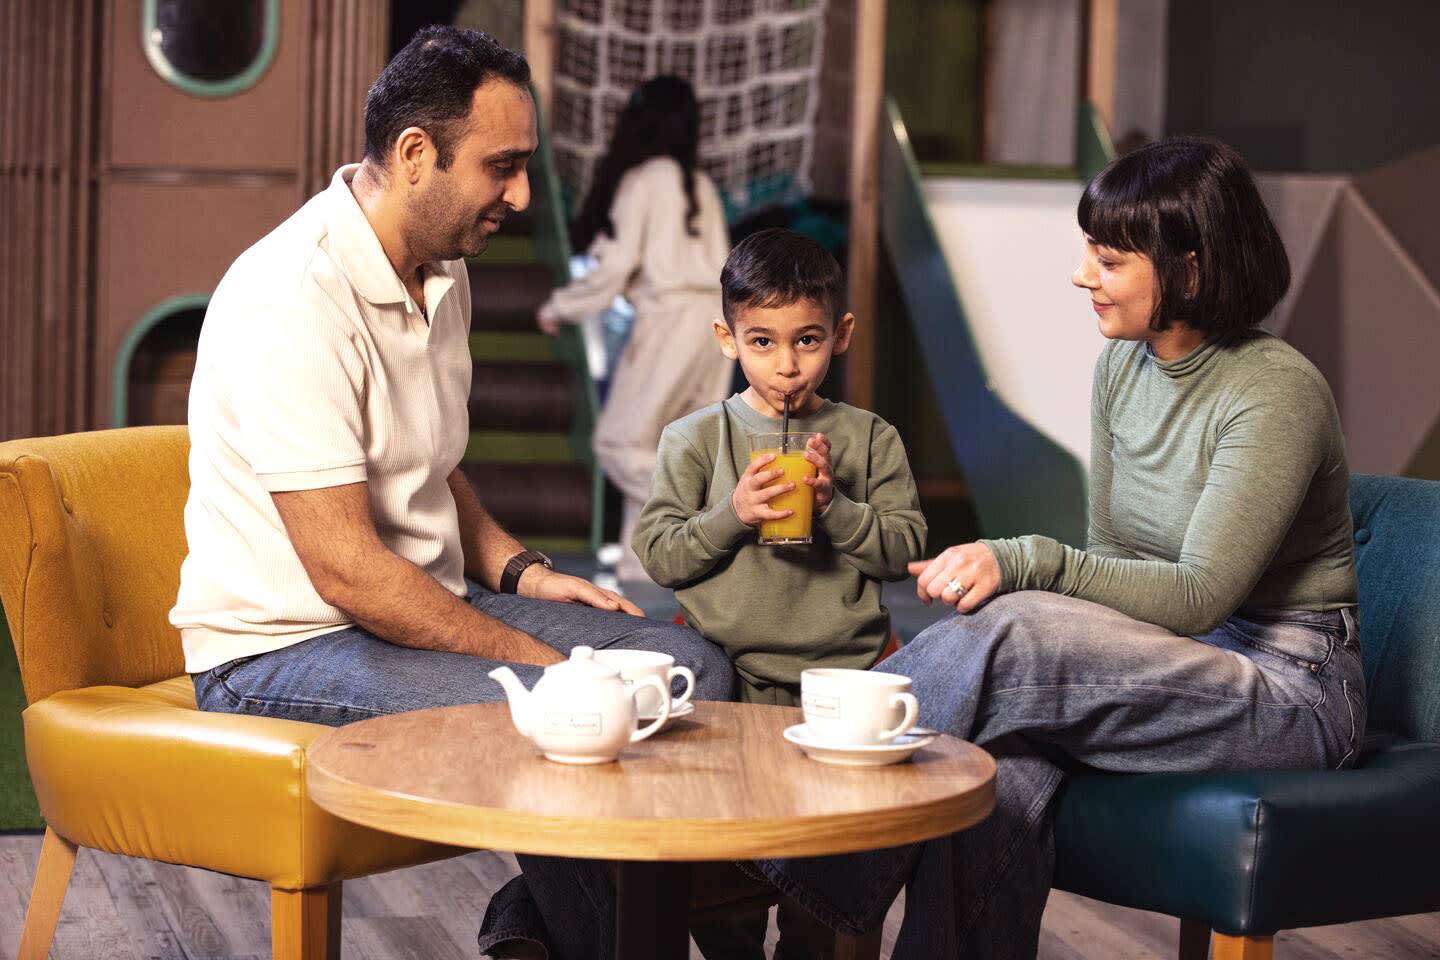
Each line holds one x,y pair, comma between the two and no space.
120,908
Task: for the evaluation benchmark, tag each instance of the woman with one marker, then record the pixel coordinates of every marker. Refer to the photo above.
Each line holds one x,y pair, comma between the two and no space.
1210,621
656,228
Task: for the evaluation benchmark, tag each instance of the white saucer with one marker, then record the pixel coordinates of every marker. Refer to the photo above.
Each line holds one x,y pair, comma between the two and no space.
860,755
683,710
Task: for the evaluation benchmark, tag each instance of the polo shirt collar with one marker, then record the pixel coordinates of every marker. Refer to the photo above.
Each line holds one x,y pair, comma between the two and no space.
355,247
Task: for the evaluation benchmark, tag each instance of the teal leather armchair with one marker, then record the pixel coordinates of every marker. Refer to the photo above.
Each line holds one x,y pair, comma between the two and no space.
1248,854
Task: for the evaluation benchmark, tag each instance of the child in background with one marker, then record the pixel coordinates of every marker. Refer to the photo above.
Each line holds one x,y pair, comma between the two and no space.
656,228
777,610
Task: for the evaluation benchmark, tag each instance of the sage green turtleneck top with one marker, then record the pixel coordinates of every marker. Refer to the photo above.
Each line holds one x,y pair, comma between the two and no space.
1218,484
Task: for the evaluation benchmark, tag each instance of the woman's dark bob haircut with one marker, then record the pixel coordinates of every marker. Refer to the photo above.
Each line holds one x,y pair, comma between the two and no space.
1184,195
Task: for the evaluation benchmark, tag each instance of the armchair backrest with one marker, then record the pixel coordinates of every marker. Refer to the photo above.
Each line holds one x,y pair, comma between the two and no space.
1397,556
92,536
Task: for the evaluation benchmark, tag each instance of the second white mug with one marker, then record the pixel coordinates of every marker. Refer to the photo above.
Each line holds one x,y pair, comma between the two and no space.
635,665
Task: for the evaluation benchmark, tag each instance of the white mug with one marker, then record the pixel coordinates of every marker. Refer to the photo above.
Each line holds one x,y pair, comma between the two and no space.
856,707
635,665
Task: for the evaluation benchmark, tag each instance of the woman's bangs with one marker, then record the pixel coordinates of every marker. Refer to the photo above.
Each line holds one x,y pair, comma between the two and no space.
1114,215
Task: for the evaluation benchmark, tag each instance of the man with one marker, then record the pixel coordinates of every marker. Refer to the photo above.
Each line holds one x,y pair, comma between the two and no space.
340,565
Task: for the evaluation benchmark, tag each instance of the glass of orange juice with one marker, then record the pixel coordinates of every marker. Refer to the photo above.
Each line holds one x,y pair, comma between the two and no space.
789,450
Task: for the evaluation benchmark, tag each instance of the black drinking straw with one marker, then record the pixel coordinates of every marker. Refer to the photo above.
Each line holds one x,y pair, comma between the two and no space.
785,427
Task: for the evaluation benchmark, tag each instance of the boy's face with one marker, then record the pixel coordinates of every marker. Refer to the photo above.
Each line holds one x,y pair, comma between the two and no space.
784,350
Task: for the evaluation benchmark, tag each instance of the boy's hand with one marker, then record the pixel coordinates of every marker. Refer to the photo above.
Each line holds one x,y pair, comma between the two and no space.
753,493
817,451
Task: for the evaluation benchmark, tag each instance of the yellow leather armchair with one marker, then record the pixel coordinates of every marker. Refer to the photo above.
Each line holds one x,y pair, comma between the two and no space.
91,540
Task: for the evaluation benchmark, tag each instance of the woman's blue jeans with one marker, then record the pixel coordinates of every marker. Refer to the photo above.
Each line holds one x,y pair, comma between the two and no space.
1046,682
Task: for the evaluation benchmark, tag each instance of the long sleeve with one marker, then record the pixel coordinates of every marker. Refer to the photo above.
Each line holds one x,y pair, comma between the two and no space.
677,538
1275,439
881,535
617,258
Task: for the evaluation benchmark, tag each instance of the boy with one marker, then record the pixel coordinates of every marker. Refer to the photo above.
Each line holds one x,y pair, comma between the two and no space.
777,610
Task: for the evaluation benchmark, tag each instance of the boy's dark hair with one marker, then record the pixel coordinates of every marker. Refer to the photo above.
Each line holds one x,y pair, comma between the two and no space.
777,267
1180,195
430,84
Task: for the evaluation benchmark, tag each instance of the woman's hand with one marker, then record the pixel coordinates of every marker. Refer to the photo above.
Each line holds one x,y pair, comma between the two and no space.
970,566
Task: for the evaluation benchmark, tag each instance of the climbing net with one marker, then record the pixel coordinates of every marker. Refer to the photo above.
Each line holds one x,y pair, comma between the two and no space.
754,65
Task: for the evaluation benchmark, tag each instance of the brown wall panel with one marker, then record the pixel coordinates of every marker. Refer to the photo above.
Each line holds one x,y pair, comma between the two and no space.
151,123
158,241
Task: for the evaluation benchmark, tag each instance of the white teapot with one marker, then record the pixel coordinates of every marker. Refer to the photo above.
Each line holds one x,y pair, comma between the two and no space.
580,710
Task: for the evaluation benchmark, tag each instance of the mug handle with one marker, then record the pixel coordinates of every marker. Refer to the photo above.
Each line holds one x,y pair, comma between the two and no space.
659,721
912,708
689,676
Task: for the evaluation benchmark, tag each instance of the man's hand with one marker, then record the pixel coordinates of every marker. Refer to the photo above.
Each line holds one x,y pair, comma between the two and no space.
971,566
543,584
754,492
817,451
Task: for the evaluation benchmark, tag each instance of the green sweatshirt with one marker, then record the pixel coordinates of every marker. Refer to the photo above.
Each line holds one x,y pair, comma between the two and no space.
1218,485
778,610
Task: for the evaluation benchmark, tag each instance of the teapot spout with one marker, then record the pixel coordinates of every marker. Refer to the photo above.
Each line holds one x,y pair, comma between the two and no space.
517,695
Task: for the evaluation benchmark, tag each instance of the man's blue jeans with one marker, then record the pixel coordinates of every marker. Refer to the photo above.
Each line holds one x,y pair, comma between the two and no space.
1046,683
351,674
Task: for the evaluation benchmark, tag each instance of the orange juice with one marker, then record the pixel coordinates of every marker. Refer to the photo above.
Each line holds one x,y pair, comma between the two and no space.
796,527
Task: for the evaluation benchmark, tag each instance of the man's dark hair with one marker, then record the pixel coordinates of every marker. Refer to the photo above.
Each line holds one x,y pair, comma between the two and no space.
1184,195
430,84
778,267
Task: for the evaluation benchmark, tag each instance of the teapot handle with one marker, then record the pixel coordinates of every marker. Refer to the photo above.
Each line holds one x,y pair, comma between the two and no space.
659,721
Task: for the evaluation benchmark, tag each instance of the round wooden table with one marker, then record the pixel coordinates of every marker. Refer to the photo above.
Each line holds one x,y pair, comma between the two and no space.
720,784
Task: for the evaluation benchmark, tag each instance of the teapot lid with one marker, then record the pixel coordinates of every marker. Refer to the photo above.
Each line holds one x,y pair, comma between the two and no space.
582,665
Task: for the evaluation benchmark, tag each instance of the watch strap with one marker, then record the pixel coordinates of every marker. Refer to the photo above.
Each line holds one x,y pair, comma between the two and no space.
518,564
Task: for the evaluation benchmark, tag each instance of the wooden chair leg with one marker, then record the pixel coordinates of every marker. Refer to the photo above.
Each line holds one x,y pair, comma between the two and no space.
305,924
864,947
52,879
1194,939
1243,948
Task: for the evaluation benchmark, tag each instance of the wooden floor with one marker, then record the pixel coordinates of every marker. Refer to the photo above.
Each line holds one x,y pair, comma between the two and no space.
124,909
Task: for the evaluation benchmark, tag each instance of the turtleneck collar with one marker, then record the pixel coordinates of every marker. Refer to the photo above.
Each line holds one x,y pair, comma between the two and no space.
1192,362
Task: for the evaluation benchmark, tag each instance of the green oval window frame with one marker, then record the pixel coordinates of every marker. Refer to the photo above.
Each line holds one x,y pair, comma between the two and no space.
119,413
210,88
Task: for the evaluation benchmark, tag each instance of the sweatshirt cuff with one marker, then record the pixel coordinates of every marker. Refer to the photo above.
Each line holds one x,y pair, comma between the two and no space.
843,519
1027,563
721,527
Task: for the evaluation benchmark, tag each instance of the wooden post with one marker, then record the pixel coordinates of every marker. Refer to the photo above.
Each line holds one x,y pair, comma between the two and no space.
1100,27
866,102
540,51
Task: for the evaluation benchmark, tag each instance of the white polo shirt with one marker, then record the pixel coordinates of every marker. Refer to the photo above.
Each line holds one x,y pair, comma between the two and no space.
316,369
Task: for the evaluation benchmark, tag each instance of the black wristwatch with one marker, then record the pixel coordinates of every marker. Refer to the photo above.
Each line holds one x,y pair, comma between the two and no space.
510,578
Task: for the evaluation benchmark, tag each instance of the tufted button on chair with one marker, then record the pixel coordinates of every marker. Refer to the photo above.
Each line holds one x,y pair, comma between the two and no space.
1249,854
91,540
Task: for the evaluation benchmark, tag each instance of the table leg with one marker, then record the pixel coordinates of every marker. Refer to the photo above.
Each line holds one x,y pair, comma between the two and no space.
652,910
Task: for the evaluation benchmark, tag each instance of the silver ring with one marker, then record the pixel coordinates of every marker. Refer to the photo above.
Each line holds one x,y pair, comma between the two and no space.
957,587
